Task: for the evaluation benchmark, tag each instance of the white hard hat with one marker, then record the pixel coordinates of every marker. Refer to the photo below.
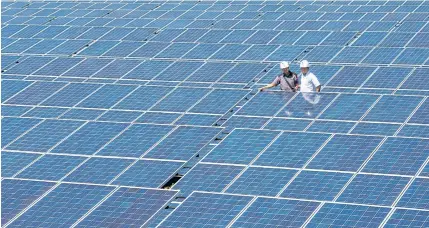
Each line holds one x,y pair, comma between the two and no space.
304,63
284,64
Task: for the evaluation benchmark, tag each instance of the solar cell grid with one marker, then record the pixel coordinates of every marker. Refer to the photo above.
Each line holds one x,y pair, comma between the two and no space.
241,146
121,64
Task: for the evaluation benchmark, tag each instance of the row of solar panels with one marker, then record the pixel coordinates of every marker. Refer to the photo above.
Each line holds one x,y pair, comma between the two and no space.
269,150
197,211
119,206
366,6
58,34
173,72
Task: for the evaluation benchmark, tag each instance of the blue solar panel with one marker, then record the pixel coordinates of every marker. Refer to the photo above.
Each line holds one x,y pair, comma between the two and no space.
12,163
45,135
316,185
148,173
292,149
106,96
265,104
415,131
373,189
207,177
261,181
219,101
375,129
167,82
222,207
399,156
73,200
386,110
183,143
351,76
345,153
89,138
35,93
416,195
98,170
349,107
51,167
348,216
135,140
181,99
127,207
266,212
158,118
82,114
18,194
408,218
241,146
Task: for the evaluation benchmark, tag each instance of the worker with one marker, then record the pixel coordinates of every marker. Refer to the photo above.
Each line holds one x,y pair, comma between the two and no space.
287,80
309,82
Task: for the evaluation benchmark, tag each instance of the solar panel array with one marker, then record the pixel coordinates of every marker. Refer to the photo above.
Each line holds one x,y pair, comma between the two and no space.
105,103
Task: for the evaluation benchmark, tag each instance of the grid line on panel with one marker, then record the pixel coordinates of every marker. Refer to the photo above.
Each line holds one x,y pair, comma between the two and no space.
305,165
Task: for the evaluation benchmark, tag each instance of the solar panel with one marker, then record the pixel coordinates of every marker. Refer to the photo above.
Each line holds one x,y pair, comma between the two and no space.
128,207
276,212
223,207
183,143
314,185
18,194
163,94
207,177
348,215
148,173
399,156
241,146
75,200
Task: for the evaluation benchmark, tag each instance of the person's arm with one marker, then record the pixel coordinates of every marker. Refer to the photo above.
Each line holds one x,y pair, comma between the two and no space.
316,83
271,85
296,82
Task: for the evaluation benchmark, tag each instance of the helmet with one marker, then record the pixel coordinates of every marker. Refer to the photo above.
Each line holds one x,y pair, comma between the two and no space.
284,64
304,63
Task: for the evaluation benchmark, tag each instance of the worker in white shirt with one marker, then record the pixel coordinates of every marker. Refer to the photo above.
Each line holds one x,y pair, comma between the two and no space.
308,81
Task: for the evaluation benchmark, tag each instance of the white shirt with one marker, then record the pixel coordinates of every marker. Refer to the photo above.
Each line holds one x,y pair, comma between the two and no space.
309,82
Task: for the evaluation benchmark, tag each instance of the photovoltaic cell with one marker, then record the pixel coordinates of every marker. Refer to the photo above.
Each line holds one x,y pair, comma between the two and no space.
128,207
416,195
18,194
292,149
399,156
261,181
45,135
314,185
387,77
222,207
266,212
12,163
148,173
36,93
415,131
158,118
183,143
71,199
241,146
375,129
345,215
408,218
143,98
90,138
98,170
106,96
345,153
207,177
373,189
265,104
51,167
219,101
180,100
